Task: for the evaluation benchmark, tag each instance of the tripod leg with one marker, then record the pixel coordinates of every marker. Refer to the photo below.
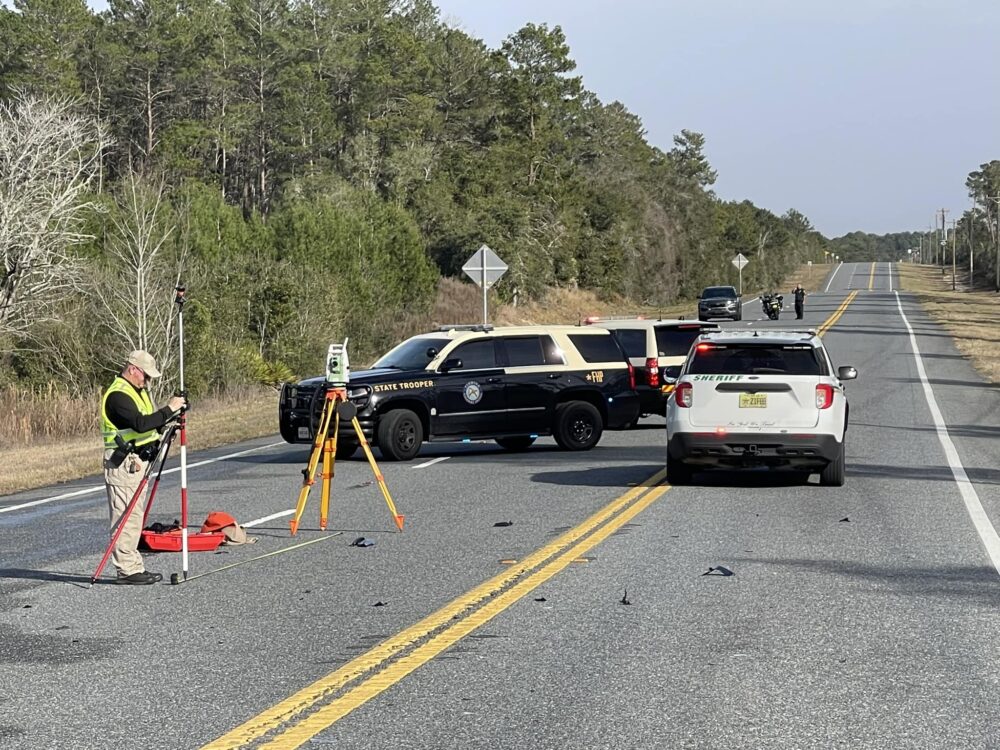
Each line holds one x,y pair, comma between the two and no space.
378,474
156,482
329,455
309,473
122,520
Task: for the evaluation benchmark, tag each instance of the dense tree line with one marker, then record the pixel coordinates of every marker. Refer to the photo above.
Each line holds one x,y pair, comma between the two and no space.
862,247
310,167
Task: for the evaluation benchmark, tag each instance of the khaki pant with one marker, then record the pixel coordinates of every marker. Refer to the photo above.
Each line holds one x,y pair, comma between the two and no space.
121,485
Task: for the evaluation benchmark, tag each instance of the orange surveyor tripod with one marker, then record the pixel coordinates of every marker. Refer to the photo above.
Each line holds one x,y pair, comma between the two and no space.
335,408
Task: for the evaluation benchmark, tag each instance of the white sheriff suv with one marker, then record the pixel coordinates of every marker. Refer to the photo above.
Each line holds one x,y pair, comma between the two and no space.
758,398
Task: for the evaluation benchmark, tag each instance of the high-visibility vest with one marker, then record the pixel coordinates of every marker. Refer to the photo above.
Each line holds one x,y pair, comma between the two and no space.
142,400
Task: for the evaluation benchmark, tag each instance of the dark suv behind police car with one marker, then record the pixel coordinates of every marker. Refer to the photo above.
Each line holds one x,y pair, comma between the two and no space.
467,383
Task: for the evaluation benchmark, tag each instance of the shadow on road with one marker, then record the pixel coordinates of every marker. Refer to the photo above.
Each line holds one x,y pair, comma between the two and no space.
749,478
944,381
922,473
603,476
944,582
49,575
956,430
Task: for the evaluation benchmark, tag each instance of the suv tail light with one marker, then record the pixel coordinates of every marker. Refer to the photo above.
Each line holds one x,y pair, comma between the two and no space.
631,377
684,395
824,396
653,372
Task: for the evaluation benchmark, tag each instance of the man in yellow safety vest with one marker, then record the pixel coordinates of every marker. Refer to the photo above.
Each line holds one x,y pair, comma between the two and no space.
127,412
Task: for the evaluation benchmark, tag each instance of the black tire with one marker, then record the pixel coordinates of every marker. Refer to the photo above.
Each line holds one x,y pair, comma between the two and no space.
515,444
678,472
400,434
578,426
346,448
833,474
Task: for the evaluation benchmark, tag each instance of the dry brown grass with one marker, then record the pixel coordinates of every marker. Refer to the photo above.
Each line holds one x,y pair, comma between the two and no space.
971,317
49,459
32,415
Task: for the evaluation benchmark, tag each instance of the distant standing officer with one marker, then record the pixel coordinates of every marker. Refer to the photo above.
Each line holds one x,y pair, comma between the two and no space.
127,411
800,301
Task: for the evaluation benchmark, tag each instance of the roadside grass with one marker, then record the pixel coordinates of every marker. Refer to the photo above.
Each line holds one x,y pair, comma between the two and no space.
48,436
972,317
33,457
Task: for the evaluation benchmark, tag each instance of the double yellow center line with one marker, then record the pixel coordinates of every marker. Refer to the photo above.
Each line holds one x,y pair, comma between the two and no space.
295,720
829,323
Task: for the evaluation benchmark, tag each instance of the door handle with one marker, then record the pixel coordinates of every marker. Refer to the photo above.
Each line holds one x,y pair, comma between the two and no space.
494,380
555,375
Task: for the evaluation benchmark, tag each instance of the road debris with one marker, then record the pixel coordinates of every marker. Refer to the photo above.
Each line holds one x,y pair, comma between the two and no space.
718,570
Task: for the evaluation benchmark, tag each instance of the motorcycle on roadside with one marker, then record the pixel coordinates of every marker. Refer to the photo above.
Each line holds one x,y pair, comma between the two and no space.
771,303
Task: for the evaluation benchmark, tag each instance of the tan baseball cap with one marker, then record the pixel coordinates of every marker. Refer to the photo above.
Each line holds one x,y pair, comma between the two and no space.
144,361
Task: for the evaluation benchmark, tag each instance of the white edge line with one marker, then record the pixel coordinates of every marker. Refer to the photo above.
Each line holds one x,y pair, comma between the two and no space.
890,277
433,461
987,533
99,488
265,519
832,277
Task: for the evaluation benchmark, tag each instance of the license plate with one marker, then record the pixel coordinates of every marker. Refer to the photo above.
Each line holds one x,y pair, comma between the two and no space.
753,400
304,431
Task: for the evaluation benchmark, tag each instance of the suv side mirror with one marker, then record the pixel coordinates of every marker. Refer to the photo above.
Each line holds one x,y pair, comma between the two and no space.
847,372
451,364
671,373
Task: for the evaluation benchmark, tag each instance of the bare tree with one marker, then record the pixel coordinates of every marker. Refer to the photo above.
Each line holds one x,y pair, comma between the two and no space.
49,156
138,285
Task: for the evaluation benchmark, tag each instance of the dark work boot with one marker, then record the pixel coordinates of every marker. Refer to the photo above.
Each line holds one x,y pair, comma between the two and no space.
139,579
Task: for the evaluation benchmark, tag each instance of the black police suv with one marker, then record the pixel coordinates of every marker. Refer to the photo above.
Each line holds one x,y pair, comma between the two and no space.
465,383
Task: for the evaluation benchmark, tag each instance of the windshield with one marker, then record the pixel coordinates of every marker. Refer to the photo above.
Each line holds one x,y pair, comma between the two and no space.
412,354
771,359
719,291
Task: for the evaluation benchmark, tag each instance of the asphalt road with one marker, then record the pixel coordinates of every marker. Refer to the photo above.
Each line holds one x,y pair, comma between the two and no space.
857,617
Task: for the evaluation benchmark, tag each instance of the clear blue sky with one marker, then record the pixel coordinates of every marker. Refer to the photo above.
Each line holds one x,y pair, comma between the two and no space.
862,114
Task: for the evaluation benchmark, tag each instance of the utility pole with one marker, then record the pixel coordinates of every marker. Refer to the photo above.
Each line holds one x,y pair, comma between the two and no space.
944,239
954,236
972,258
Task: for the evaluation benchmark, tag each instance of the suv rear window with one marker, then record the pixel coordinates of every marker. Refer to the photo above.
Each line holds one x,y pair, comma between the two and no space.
676,342
633,341
760,359
597,347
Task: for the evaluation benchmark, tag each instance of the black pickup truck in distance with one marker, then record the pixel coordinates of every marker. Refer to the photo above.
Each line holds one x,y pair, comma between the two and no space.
465,383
